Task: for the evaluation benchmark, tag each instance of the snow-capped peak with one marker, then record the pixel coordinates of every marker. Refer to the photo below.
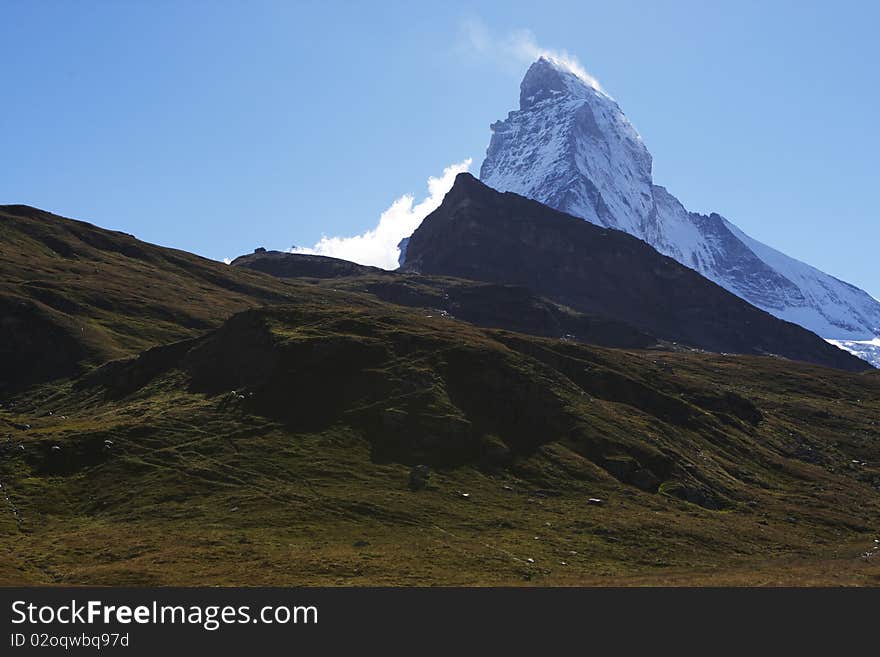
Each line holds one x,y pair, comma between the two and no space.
550,76
571,147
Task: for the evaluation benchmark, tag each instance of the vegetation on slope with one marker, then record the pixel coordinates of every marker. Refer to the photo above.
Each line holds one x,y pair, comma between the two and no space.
278,449
73,296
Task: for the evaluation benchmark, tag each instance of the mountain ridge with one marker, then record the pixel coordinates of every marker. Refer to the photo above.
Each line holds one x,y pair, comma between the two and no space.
571,147
252,430
74,295
510,307
482,234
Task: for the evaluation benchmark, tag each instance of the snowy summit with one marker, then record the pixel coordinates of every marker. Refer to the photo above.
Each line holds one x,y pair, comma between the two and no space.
571,147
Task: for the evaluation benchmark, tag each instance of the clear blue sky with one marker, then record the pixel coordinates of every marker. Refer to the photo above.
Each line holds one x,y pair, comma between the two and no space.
216,127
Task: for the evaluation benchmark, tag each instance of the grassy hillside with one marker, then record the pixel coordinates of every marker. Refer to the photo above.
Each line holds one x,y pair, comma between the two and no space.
73,296
278,449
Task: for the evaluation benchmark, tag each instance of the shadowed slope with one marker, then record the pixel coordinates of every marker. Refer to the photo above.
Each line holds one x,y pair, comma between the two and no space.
481,234
277,448
485,304
73,295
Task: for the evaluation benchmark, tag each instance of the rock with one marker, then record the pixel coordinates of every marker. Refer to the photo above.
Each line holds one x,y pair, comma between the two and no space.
495,453
418,477
692,494
595,501
645,480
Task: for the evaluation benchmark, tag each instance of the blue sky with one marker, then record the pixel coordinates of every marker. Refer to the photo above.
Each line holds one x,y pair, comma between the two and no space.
217,127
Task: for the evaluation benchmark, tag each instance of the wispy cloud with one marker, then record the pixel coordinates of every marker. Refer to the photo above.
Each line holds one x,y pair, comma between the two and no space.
513,50
378,246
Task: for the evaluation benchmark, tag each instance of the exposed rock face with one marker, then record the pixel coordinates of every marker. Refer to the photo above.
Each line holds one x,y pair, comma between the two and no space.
571,147
481,234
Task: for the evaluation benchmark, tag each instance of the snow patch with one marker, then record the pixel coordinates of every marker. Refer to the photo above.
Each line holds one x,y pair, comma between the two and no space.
867,350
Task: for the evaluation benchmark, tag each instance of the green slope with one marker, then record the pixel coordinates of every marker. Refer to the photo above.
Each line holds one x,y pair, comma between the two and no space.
711,469
73,296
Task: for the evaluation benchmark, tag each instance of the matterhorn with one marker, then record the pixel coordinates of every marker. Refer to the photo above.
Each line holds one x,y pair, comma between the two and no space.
571,147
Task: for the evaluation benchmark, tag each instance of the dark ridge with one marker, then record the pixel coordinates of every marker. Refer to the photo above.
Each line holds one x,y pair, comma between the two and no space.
481,234
73,295
296,265
510,307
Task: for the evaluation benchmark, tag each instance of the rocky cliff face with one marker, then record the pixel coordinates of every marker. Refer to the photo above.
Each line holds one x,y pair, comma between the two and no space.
481,234
571,147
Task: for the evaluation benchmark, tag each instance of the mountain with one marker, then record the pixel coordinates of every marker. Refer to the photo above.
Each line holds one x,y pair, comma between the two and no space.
73,295
278,449
571,147
185,422
510,307
482,234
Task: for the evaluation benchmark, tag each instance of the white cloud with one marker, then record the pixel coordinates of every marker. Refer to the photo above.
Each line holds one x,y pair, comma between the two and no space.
227,261
514,50
378,247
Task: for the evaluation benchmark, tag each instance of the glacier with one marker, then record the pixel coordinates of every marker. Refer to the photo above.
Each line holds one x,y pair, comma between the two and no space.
571,147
